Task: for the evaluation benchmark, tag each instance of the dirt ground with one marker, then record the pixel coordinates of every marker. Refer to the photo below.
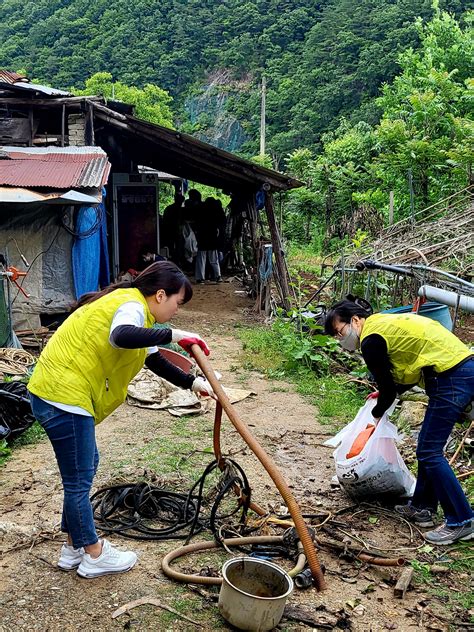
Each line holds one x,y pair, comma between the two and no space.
35,595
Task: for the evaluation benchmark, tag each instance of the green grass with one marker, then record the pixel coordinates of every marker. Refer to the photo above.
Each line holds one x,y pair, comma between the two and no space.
33,435
303,258
454,591
175,455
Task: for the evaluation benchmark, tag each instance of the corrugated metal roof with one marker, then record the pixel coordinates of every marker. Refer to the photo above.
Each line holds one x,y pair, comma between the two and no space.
11,77
53,167
187,157
15,80
16,195
34,87
71,149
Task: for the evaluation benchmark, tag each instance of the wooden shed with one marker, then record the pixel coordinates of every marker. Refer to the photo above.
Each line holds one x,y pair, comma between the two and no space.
41,117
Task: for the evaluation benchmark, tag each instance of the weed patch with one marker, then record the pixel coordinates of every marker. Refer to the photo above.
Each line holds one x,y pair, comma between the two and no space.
284,353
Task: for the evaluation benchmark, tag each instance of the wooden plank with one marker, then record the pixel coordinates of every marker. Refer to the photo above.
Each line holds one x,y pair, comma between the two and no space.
403,582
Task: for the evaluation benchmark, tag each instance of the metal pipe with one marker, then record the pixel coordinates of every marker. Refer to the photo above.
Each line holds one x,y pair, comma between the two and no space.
381,561
320,289
369,264
221,461
452,299
268,464
407,270
448,275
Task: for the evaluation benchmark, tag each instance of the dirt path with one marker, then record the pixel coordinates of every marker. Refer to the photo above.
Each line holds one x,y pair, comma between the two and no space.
35,595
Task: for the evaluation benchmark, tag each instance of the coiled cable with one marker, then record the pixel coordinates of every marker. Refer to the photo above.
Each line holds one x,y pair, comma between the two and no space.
146,512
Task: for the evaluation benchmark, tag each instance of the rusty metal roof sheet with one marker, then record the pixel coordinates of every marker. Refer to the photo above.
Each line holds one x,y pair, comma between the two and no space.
53,167
11,77
14,81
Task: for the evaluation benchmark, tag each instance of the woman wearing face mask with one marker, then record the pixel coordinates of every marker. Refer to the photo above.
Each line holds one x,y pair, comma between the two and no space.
401,350
82,376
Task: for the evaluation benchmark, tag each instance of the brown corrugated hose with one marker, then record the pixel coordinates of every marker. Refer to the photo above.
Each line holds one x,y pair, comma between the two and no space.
268,464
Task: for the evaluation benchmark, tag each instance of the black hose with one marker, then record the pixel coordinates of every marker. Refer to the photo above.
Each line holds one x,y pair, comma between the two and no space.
146,512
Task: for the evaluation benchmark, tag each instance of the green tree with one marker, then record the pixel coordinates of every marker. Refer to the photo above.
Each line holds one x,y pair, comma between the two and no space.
151,103
426,126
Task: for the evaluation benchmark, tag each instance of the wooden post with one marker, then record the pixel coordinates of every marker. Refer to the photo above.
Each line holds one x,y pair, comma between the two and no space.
90,135
32,126
390,211
63,124
277,250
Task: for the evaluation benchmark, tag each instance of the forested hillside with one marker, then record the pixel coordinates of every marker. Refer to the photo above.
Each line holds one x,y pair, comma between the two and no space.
322,59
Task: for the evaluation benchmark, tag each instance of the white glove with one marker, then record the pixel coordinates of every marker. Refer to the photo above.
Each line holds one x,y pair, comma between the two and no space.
186,339
202,386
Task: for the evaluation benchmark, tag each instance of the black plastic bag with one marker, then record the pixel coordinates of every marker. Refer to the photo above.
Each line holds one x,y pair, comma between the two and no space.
16,415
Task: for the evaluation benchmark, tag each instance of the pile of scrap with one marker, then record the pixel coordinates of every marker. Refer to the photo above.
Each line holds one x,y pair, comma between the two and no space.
34,339
444,231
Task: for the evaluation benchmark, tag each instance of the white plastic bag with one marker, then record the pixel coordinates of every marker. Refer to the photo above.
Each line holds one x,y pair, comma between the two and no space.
379,468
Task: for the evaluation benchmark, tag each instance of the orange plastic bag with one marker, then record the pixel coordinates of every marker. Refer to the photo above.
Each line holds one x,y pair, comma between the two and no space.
360,441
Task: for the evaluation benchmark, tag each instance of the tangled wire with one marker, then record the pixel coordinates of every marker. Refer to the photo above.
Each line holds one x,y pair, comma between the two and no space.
145,512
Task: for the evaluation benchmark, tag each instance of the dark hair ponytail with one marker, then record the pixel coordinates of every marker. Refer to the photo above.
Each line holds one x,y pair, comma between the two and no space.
161,275
345,310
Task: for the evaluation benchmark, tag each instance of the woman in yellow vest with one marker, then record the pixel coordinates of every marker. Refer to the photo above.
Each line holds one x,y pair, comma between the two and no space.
82,376
400,350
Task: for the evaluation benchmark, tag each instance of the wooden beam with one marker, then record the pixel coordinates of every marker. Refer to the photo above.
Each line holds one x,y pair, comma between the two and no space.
63,124
32,126
277,250
53,102
212,156
229,178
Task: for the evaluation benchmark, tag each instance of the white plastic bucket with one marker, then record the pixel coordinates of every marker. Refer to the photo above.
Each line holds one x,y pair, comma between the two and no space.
253,593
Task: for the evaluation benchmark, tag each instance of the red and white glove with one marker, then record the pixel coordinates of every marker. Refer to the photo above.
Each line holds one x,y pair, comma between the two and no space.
186,339
373,395
202,386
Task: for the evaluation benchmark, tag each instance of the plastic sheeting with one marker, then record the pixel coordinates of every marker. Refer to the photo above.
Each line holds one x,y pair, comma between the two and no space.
36,232
90,258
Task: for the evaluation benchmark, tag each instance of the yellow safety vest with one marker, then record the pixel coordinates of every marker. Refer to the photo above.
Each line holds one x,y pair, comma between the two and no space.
415,342
80,367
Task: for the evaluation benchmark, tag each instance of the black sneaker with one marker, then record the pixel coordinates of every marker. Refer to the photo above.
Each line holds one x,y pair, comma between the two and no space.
449,535
420,517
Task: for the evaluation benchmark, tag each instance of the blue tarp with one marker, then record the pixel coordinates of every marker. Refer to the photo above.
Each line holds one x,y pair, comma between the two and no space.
90,255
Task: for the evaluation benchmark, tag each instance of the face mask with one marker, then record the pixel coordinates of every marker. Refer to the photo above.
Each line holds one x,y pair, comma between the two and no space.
351,340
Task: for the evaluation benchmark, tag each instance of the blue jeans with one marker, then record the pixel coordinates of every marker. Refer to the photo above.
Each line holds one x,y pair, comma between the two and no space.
437,483
73,440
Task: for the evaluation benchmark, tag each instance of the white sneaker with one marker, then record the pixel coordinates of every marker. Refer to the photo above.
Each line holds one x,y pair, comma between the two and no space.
111,560
70,557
